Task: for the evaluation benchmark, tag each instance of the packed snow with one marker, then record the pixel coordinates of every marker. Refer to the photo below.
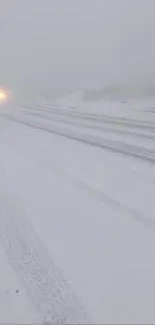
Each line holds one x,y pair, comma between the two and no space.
77,218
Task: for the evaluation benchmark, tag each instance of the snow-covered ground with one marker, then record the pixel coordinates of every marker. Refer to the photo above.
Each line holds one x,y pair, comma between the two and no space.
77,210
14,305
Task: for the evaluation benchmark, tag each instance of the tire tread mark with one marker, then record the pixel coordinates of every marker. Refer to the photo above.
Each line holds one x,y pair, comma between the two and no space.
48,289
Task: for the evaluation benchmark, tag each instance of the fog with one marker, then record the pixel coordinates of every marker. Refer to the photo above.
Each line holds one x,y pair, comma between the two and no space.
76,43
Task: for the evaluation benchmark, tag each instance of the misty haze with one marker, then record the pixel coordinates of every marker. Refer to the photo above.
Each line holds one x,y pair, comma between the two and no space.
77,161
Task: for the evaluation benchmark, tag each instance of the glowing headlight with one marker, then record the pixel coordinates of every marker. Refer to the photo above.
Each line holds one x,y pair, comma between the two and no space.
3,95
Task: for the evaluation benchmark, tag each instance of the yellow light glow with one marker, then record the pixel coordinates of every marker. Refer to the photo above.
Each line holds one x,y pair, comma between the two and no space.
3,95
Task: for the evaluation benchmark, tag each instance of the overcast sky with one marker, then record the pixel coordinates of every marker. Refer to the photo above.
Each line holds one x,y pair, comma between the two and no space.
76,43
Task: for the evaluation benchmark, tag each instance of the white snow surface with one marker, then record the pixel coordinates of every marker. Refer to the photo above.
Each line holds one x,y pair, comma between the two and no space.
77,220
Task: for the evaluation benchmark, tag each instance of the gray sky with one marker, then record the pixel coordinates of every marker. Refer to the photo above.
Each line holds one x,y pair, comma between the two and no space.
76,43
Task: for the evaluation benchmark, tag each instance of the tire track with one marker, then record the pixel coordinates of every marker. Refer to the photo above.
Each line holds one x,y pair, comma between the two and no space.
136,152
46,286
94,126
120,121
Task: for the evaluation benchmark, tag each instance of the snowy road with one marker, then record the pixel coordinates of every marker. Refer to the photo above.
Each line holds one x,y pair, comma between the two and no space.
127,136
77,222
